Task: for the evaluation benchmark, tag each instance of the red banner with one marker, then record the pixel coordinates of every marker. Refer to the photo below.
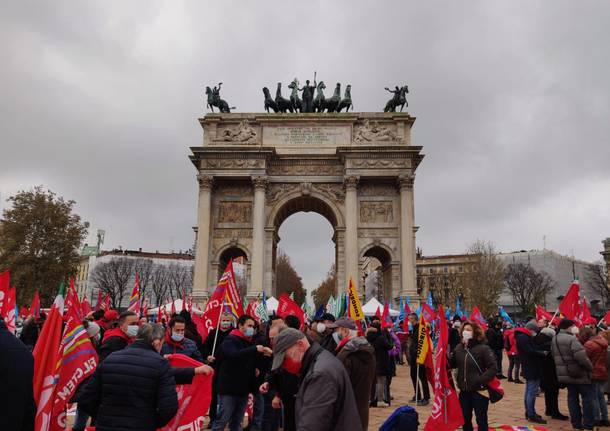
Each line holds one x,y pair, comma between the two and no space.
477,317
446,414
193,400
570,304
287,306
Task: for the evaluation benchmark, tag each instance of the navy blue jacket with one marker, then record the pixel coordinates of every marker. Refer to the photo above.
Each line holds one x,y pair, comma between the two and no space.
238,362
531,355
132,390
17,408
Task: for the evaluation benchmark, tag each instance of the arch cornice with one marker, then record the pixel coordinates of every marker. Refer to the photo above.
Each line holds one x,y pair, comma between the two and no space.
275,210
376,243
229,245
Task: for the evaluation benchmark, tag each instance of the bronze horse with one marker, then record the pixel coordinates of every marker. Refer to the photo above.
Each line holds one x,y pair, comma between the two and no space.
399,99
283,104
215,100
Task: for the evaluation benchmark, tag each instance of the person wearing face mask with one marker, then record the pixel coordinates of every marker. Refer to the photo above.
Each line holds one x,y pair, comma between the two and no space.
176,342
329,338
422,389
224,329
325,400
574,369
532,357
111,396
358,357
120,337
237,374
477,366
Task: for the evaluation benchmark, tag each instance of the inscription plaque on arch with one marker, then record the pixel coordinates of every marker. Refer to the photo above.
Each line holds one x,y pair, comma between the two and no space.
315,135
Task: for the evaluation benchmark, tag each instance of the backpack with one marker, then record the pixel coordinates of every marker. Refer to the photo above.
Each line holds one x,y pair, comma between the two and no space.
404,418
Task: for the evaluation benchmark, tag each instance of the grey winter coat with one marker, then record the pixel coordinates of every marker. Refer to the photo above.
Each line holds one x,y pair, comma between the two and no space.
569,353
325,400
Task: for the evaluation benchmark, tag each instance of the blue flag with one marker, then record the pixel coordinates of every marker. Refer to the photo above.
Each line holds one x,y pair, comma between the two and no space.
429,300
320,311
458,307
505,316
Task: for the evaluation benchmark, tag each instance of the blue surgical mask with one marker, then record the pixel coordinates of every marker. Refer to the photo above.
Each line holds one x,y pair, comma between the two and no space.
177,337
132,330
249,331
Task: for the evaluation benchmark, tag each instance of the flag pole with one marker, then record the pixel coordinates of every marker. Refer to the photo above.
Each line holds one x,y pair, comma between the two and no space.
416,382
218,327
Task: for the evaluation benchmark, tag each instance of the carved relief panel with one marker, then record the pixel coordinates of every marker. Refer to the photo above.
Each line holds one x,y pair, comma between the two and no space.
377,212
234,212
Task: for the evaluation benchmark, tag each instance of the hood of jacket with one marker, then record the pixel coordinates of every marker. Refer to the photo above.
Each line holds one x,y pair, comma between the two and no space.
358,343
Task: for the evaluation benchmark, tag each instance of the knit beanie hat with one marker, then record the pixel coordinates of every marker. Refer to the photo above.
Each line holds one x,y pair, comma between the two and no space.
532,326
548,332
93,329
566,323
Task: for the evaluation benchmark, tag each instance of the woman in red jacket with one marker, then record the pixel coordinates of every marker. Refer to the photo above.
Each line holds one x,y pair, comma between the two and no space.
596,347
511,351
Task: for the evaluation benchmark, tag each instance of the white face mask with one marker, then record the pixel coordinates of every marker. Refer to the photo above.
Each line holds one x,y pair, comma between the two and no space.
321,327
467,335
132,330
574,330
177,337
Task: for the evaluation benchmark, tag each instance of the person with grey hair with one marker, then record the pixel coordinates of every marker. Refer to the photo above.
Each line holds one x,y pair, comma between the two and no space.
325,400
358,357
135,389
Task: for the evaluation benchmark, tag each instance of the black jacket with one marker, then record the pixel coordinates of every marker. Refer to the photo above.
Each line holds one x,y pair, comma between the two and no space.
530,354
236,374
17,408
495,340
132,390
112,343
329,343
382,344
469,377
549,372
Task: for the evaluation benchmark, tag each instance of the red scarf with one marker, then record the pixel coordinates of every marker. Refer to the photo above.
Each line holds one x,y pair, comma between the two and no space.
239,334
116,332
342,343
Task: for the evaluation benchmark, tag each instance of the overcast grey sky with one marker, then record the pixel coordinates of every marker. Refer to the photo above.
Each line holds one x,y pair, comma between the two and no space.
99,101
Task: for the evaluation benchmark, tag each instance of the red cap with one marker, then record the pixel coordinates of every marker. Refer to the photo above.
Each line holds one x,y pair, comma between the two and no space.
111,315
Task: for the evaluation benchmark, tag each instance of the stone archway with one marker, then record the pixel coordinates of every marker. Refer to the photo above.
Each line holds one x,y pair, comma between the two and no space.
357,170
377,272
302,199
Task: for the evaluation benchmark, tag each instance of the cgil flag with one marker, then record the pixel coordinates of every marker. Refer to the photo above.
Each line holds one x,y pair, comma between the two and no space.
355,307
446,414
424,348
287,306
477,317
35,306
46,354
570,304
77,360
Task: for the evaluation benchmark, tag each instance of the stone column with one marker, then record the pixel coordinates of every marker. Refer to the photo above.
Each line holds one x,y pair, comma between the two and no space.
407,237
351,232
258,236
202,251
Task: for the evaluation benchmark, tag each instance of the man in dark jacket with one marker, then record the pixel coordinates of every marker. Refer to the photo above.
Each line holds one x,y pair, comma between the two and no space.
176,342
549,382
134,389
118,338
329,338
531,366
358,357
423,381
210,353
237,374
495,340
17,409
381,342
325,401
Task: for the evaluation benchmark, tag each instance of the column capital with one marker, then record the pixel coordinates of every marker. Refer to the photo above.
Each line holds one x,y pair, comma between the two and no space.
260,182
406,181
206,182
351,182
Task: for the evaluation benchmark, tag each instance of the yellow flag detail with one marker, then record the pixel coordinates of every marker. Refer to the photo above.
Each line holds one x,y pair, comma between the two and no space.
355,308
423,344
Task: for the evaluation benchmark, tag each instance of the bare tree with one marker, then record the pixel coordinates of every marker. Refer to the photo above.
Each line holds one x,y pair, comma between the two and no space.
445,287
159,284
528,286
287,280
597,277
113,278
485,279
145,268
180,279
326,288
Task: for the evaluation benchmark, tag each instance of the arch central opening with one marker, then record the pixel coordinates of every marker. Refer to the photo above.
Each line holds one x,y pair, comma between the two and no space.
305,236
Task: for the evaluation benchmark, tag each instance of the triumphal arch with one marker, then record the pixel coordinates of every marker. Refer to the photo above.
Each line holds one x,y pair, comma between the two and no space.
355,169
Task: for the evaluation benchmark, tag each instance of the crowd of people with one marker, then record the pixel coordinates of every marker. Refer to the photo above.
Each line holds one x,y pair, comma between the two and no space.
325,373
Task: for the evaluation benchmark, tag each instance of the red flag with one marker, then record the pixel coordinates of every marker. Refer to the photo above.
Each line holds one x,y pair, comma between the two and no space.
72,302
23,311
46,354
585,314
569,305
193,399
106,303
606,318
77,360
386,321
251,310
9,310
145,307
446,414
477,317
134,299
428,312
98,304
173,310
378,313
287,306
85,307
232,293
541,313
5,278
35,306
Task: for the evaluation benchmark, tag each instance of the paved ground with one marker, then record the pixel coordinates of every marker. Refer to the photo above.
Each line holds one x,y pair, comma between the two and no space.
509,411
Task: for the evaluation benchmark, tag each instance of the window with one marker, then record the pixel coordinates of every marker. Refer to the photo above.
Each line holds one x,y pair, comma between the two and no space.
445,270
